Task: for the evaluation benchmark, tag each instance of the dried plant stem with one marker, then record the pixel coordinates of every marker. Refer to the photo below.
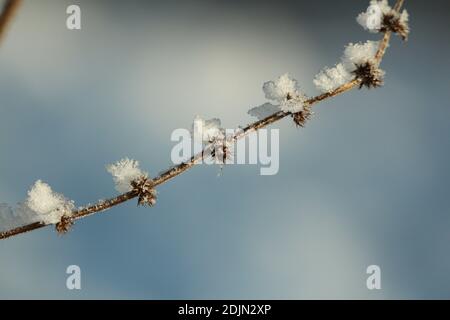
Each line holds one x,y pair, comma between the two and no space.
23,229
183,167
384,44
398,5
8,13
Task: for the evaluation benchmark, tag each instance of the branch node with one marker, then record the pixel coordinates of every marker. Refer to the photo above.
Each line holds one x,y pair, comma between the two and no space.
369,74
64,225
144,188
301,117
394,22
221,151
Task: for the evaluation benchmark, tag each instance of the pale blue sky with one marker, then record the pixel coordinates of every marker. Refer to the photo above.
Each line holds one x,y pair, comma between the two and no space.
366,182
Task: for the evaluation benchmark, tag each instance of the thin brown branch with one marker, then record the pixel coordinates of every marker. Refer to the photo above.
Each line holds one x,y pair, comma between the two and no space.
181,168
384,44
9,10
23,229
398,5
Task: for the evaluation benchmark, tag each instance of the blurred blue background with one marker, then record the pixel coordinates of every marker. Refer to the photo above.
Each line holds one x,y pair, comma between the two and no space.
366,182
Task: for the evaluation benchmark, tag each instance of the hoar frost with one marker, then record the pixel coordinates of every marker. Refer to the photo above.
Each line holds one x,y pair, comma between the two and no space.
286,93
41,205
124,172
358,59
47,204
331,78
359,53
207,130
355,55
380,17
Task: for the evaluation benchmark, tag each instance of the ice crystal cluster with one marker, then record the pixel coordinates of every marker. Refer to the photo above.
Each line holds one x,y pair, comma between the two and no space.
286,93
211,132
380,17
355,55
124,172
42,205
207,130
128,176
49,205
331,78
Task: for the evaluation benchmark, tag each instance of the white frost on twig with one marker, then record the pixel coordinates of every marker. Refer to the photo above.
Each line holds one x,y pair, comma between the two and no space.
331,78
355,55
380,14
47,204
42,205
286,93
372,18
124,172
207,130
359,53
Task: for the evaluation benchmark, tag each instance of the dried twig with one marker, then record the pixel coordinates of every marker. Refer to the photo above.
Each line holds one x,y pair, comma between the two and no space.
8,13
179,169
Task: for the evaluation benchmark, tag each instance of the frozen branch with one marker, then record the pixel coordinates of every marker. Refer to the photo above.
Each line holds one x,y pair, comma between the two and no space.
284,90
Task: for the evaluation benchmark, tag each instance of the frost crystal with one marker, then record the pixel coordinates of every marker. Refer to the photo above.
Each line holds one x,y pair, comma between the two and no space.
331,78
124,172
404,17
285,91
358,54
48,205
355,56
383,4
371,19
207,130
380,17
42,205
281,88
